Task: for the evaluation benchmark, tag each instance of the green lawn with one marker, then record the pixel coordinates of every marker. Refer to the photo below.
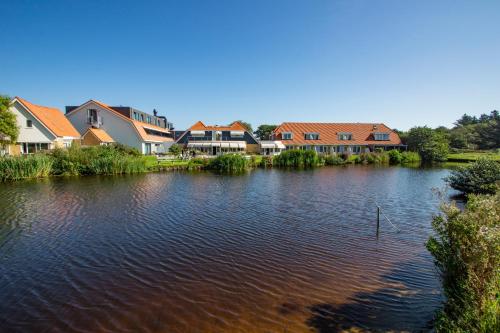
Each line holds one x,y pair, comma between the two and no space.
470,157
152,161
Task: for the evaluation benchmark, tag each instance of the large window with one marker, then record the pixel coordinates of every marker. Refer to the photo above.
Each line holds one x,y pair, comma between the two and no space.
311,136
381,136
31,148
345,136
287,136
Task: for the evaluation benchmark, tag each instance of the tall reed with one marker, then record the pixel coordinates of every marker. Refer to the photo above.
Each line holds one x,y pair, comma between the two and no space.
230,163
297,158
24,167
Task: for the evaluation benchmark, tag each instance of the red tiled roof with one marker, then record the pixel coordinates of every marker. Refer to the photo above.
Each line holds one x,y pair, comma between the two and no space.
200,126
51,118
362,134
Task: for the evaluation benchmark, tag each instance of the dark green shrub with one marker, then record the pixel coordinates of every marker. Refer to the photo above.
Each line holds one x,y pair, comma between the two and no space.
126,149
175,149
334,160
395,156
482,176
466,249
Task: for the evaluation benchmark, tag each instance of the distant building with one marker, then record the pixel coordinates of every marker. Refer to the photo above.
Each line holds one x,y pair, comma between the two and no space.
218,140
40,128
148,133
337,137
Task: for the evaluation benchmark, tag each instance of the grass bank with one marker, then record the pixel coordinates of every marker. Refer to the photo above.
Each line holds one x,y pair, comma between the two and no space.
466,157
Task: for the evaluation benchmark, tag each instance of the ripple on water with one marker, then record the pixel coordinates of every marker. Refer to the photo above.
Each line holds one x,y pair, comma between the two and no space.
269,251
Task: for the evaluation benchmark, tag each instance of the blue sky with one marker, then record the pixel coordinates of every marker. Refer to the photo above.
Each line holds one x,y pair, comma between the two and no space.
400,62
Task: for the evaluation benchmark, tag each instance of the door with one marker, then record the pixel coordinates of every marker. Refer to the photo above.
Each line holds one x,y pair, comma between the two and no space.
214,151
148,149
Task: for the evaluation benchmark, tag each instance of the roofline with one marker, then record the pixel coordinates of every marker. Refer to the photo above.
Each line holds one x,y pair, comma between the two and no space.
28,109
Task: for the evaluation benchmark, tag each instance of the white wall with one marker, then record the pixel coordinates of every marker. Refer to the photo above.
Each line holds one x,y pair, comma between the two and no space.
37,133
121,130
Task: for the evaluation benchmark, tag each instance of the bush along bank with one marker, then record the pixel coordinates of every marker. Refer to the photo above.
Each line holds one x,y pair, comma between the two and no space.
482,176
466,249
96,160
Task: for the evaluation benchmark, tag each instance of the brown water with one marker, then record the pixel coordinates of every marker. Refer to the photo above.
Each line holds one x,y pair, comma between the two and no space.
268,251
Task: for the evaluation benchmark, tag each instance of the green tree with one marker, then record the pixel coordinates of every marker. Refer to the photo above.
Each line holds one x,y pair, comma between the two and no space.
248,126
466,249
264,132
482,176
8,124
431,145
175,149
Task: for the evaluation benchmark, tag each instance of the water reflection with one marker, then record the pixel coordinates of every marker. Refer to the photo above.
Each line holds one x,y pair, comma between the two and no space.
267,251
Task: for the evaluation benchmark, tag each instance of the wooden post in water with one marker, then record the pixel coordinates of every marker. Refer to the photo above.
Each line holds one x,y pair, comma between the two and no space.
378,219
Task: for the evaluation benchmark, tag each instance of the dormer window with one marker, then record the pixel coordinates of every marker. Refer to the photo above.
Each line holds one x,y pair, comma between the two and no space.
345,136
311,136
286,136
381,136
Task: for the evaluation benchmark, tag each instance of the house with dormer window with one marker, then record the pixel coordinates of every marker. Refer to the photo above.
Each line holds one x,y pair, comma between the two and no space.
217,140
101,124
330,138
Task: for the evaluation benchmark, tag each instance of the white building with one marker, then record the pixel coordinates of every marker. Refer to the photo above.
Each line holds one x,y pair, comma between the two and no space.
40,128
147,133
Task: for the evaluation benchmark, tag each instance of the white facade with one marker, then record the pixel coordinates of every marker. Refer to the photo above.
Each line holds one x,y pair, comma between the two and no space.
33,134
120,128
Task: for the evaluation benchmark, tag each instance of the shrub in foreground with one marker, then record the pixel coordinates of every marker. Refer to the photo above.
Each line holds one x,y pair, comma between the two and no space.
482,176
466,249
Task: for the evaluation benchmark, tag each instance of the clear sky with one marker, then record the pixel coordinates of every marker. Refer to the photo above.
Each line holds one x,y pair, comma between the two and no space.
400,62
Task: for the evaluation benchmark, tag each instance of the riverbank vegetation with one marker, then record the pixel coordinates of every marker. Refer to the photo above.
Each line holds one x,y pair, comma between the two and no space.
466,248
480,177
96,160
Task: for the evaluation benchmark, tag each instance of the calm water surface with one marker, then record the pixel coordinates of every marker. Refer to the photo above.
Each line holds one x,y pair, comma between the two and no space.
268,251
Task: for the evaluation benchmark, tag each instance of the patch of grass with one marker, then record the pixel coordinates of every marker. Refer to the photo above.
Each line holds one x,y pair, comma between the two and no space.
25,167
472,156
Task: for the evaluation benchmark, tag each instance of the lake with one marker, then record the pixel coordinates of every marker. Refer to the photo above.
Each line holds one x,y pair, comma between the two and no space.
267,251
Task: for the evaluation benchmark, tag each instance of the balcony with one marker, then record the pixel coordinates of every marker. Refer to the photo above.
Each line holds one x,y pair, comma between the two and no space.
95,121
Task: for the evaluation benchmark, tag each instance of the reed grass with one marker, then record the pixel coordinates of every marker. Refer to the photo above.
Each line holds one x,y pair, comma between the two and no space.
297,158
25,167
230,163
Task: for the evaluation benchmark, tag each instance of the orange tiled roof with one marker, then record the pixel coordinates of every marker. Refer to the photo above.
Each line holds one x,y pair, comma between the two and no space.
51,118
200,126
101,134
140,126
363,134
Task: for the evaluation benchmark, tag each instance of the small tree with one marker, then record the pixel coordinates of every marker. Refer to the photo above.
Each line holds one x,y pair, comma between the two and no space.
175,149
466,249
8,123
264,132
431,145
482,176
247,126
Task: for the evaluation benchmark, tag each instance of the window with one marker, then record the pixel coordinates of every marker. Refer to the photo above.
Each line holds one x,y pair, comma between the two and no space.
381,136
91,116
29,123
311,136
286,136
345,136
31,148
142,117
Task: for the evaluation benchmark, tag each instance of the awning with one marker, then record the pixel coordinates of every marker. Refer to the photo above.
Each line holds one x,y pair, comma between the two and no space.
223,144
272,144
242,145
